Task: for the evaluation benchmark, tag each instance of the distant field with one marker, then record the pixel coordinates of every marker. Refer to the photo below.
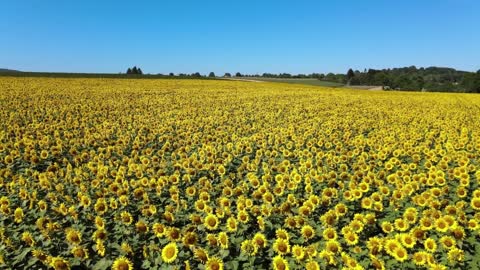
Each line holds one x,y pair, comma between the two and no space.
298,81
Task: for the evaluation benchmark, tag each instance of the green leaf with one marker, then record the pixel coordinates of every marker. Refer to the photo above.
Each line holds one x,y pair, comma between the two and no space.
103,264
146,264
224,253
232,265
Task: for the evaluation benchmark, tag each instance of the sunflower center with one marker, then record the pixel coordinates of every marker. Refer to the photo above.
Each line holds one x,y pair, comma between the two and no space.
123,266
170,252
212,222
215,266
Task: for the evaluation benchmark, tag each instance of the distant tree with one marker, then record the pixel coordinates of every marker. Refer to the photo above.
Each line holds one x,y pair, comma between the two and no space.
129,71
134,70
139,71
227,75
171,74
211,75
350,75
238,74
196,75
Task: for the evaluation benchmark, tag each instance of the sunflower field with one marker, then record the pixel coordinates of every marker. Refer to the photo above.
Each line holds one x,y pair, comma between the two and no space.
202,174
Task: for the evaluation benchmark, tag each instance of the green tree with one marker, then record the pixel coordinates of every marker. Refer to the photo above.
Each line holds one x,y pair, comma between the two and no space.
211,75
350,75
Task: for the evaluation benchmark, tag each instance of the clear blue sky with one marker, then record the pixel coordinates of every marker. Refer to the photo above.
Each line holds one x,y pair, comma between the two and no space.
245,35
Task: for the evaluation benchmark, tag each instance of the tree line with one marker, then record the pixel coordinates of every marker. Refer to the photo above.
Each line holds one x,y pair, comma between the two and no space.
437,79
411,78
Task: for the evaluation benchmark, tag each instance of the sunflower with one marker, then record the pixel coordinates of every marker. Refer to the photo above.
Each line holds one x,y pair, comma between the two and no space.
400,254
456,255
282,233
430,245
408,240
126,248
44,154
99,234
27,238
211,222
391,245
377,263
447,242
232,224
419,258
410,217
100,247
169,252
341,209
260,240
279,263
327,256
298,252
80,252
374,244
123,199
329,234
366,203
426,223
200,254
101,206
249,247
212,240
99,222
242,216
73,236
141,226
173,234
18,215
312,265
158,229
308,232
441,225
169,217
40,255
458,232
214,263
122,263
333,247
401,225
281,246
387,227
351,238
196,219
59,263
190,239
436,266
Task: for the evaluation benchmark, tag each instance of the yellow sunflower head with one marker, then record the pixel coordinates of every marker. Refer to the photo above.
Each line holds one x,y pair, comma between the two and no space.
169,253
281,246
122,263
249,247
211,222
214,263
279,263
59,263
298,252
